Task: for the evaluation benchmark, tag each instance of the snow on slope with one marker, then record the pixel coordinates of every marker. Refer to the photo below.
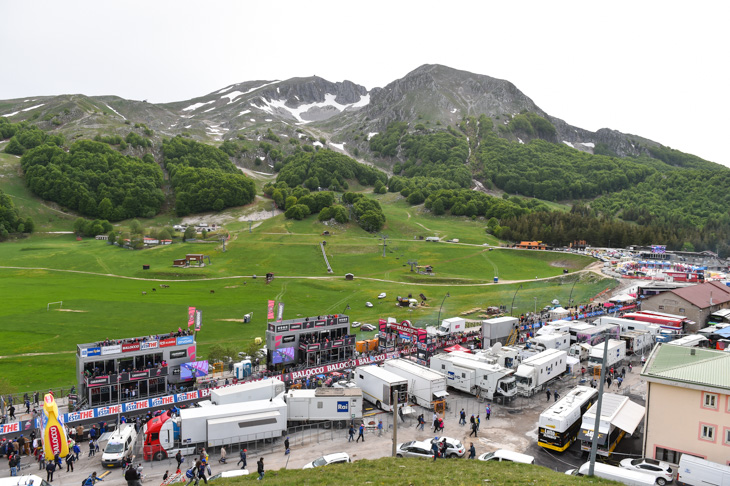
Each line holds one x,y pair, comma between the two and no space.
115,111
195,106
24,109
329,101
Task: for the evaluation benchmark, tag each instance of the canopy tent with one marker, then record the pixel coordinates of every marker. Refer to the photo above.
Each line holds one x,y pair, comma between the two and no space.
723,333
558,312
617,411
622,299
457,347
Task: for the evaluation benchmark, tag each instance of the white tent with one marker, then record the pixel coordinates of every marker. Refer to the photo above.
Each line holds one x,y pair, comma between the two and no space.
622,299
558,312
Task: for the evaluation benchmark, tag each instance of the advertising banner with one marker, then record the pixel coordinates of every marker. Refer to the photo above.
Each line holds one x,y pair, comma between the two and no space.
167,342
185,340
198,319
280,315
270,312
191,316
148,345
86,352
128,347
114,349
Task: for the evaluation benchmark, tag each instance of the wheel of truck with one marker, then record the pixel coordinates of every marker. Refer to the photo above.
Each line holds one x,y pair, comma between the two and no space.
158,456
378,405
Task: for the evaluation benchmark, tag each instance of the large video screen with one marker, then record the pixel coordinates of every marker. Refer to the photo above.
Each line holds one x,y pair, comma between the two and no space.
196,369
283,355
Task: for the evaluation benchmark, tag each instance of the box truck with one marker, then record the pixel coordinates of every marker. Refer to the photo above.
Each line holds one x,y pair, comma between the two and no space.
213,426
535,372
381,387
474,376
637,341
246,392
323,404
695,472
555,340
580,351
497,330
615,355
424,384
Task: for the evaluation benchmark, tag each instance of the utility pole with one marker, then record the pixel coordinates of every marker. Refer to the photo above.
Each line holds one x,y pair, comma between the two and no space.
597,423
511,309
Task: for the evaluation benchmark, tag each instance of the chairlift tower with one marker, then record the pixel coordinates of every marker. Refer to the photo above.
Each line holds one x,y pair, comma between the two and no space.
385,237
413,263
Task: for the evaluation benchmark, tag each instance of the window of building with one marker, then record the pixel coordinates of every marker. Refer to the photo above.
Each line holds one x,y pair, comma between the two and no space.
726,438
707,432
709,400
681,310
661,307
667,455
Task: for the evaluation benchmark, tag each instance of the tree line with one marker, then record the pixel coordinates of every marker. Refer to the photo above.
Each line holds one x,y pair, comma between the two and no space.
10,220
25,136
326,169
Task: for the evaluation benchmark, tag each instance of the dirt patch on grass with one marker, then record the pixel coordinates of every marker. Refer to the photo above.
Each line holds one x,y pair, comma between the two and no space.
230,320
69,310
231,286
562,264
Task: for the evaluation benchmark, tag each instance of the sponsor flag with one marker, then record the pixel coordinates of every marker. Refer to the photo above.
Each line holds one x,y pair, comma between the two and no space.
198,319
280,315
270,314
191,316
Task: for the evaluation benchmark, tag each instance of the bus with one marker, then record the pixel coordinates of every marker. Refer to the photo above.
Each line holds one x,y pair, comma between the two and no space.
558,425
684,319
692,341
665,322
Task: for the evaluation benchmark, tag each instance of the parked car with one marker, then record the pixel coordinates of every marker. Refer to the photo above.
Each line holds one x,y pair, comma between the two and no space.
368,304
414,448
507,455
367,327
328,459
381,296
454,447
355,324
662,470
344,384
228,474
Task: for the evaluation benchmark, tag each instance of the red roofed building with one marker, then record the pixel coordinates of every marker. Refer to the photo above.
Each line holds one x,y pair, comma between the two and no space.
696,302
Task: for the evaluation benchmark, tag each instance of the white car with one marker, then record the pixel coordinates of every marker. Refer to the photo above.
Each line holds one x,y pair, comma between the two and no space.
381,296
662,470
501,455
328,459
368,304
355,324
454,448
345,384
414,448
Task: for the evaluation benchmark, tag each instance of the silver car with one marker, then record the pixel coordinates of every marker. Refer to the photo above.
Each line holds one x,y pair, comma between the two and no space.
415,448
454,447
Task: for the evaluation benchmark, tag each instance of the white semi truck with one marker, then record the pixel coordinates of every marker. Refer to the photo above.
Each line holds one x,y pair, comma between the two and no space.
535,372
425,385
474,376
381,387
637,341
246,392
323,404
615,355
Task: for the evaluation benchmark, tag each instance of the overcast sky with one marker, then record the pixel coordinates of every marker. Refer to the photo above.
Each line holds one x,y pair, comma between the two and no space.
658,69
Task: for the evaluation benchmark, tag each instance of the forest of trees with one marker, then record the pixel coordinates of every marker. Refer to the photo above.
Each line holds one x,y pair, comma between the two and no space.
10,220
24,136
326,169
204,178
95,180
367,211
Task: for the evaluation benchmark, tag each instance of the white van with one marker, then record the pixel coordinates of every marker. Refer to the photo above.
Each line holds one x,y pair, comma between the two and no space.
24,480
693,470
120,446
626,476
506,455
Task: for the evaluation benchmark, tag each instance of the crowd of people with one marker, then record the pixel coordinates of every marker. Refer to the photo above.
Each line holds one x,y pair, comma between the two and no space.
143,339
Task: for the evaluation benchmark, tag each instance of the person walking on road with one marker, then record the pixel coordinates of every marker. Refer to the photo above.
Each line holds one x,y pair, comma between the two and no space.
286,446
222,460
489,411
351,433
472,451
132,476
380,428
92,447
50,468
474,429
548,394
421,422
462,417
360,433
479,422
436,425
435,448
179,459
556,395
70,462
260,465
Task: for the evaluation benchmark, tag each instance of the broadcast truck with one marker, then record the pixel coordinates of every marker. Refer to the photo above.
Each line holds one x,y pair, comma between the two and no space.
246,392
424,384
475,376
213,426
381,387
323,404
535,372
615,355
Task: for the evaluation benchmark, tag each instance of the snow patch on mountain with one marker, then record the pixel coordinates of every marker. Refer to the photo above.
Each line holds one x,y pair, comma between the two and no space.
24,109
195,106
115,111
269,106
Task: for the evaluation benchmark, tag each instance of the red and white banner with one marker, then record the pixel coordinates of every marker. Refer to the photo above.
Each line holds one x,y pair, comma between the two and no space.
270,314
280,315
191,316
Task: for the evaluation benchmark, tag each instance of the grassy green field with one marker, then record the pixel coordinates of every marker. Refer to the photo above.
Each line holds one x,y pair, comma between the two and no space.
419,472
102,286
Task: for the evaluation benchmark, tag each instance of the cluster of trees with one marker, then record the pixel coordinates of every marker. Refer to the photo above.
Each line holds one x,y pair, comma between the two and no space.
326,169
204,178
299,202
386,144
10,220
131,139
85,227
554,171
417,189
95,180
367,211
531,125
24,136
465,202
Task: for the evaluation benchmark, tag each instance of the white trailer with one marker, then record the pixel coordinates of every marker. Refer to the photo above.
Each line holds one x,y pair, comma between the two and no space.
637,341
381,387
555,326
630,325
579,351
246,392
425,385
616,353
324,404
471,375
556,340
535,372
498,329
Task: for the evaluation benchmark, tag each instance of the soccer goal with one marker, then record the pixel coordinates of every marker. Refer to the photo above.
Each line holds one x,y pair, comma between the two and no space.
60,305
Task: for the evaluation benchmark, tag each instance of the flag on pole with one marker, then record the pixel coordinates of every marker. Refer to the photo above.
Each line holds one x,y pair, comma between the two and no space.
191,316
280,315
198,319
270,314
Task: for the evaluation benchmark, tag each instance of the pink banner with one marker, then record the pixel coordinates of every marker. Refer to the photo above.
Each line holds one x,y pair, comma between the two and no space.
270,314
191,316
